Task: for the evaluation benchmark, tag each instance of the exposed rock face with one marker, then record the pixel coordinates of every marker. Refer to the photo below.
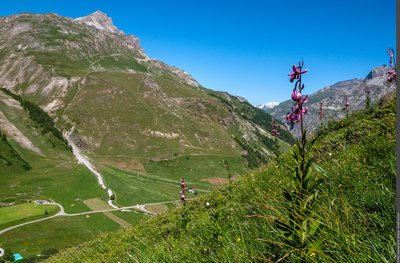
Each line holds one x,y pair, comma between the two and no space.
91,39
100,21
332,98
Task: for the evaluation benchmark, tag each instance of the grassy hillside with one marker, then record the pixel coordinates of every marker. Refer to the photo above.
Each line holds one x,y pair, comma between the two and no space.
10,160
54,172
51,173
236,223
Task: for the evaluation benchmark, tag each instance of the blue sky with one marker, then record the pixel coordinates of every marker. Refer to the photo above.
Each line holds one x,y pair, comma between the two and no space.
247,47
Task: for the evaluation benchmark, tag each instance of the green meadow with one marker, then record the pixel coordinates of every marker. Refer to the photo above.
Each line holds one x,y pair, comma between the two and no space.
48,237
26,212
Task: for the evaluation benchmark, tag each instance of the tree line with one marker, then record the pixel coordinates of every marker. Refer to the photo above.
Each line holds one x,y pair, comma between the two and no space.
40,117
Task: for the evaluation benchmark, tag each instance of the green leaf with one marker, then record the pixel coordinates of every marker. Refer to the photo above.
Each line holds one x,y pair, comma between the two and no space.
314,227
320,170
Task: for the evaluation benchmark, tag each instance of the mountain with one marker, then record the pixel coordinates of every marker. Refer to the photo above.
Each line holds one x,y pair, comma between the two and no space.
355,209
268,105
332,98
93,78
83,90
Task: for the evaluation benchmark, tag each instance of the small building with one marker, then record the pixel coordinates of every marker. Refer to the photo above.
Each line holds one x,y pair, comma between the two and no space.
17,256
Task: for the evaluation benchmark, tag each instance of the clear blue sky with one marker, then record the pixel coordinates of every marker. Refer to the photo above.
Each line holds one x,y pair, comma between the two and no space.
247,47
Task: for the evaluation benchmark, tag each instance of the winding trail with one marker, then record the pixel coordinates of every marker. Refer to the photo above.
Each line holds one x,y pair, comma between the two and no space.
62,213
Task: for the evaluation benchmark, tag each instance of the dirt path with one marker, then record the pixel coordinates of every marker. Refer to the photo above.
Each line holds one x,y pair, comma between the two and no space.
141,208
98,204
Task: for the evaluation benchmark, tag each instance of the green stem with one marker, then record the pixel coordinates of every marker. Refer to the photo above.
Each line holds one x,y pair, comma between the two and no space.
303,142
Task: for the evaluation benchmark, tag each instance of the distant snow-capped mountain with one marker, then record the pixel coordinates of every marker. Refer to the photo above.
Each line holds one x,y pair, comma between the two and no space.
268,105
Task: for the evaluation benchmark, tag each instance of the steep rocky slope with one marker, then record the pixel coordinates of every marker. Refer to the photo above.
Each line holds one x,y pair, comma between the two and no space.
332,98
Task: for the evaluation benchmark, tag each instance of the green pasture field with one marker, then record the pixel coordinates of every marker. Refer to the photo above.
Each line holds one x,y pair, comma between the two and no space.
25,211
47,237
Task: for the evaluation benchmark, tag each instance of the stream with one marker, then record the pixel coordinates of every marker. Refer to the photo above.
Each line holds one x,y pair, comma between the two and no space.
86,162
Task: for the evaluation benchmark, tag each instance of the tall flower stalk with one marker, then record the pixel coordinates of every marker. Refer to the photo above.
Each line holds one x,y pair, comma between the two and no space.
346,106
275,133
392,65
183,190
228,171
321,112
299,228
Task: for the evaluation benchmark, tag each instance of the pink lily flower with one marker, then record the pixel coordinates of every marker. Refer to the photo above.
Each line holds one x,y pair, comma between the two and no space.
304,99
296,73
392,75
297,111
304,110
297,97
274,131
295,116
291,117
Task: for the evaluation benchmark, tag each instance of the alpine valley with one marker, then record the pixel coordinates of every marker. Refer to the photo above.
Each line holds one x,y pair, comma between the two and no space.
82,90
108,155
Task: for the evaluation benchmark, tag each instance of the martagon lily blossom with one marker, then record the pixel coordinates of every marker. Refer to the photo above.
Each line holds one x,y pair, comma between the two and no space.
296,73
392,75
296,114
298,97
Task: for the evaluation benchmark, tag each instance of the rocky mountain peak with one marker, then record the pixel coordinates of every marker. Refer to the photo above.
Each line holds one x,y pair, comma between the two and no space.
99,20
378,72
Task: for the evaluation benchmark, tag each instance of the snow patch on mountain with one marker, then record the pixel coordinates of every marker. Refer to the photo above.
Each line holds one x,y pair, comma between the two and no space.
268,105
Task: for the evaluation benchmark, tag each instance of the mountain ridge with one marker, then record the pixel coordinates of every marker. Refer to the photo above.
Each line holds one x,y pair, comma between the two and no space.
332,97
